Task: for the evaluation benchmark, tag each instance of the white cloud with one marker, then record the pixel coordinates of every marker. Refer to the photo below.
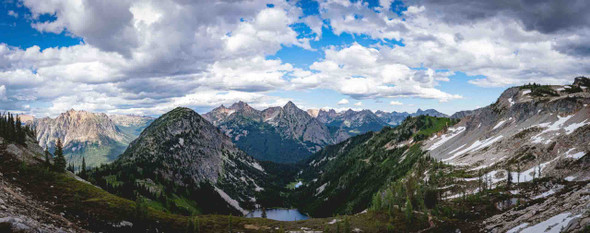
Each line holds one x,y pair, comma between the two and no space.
3,96
148,55
145,55
358,104
395,103
13,14
363,72
499,48
343,102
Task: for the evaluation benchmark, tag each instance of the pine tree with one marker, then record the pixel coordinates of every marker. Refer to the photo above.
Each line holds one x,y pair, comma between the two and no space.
60,160
376,203
47,158
518,170
19,133
83,174
409,209
509,177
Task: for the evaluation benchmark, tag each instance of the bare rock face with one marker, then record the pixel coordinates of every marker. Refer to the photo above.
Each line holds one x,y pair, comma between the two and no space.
76,126
84,134
461,114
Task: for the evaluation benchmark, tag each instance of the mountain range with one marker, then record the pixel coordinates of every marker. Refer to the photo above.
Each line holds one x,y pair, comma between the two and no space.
97,137
517,165
289,134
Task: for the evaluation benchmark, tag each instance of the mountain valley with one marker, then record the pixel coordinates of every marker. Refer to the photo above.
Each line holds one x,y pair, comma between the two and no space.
517,165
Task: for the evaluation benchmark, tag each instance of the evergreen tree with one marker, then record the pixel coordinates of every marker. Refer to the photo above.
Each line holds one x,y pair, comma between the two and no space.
376,203
20,135
518,170
12,129
409,209
60,160
509,177
48,157
83,172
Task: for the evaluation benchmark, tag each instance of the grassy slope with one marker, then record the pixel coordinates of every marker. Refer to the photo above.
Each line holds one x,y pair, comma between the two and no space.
96,210
362,166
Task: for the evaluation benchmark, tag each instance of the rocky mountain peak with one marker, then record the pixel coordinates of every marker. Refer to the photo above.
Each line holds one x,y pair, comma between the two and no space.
290,105
240,106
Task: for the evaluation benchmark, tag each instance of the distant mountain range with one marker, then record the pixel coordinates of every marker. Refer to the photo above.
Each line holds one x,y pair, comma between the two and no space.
280,134
289,134
517,165
284,134
97,137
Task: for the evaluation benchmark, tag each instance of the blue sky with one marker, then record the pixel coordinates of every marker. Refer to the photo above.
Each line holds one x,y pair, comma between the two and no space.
142,57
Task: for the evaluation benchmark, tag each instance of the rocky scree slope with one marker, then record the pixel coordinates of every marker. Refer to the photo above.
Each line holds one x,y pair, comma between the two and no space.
537,134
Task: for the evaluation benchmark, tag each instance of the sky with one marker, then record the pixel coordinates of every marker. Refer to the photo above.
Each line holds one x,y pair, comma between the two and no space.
147,57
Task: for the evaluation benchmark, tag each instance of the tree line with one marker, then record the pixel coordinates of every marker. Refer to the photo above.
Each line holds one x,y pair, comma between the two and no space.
13,130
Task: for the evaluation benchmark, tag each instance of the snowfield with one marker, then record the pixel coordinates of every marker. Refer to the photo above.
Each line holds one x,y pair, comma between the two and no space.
551,225
446,137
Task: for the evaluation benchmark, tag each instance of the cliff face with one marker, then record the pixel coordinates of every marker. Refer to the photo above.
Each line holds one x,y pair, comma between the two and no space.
76,126
97,137
93,136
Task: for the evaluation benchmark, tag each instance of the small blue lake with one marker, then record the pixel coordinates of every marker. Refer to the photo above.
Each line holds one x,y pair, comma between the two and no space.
279,214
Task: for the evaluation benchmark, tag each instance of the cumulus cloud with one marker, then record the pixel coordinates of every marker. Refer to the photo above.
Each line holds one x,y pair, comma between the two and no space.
358,104
505,45
363,72
343,102
546,16
147,56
